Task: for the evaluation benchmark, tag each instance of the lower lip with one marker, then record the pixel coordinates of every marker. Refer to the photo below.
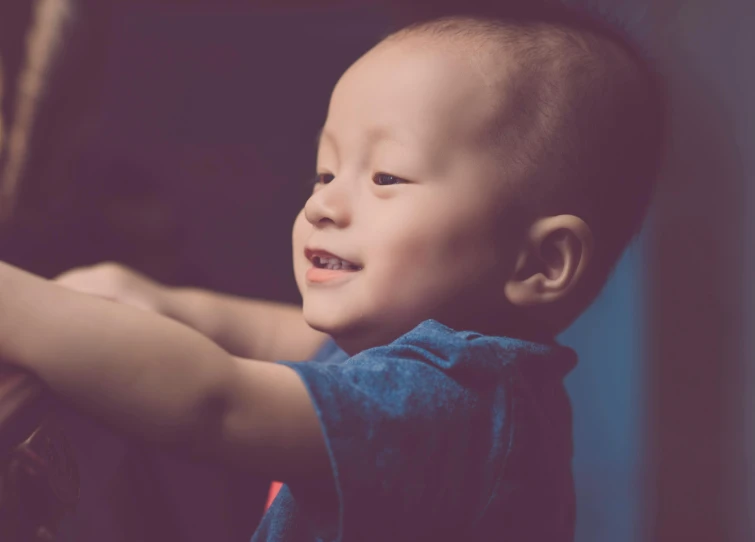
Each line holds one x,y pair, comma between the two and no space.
317,275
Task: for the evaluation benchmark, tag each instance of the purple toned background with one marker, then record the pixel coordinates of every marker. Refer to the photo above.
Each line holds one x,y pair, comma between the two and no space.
180,142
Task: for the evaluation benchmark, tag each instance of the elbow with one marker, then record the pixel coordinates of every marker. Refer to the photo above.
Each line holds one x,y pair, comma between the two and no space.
206,429
206,426
189,415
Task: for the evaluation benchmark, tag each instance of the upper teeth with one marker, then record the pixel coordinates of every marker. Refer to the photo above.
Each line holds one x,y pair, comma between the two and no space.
332,263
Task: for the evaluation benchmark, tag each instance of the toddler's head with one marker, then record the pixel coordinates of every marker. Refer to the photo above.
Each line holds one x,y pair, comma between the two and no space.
486,173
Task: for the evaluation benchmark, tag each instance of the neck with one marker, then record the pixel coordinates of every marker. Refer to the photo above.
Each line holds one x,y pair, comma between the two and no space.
515,324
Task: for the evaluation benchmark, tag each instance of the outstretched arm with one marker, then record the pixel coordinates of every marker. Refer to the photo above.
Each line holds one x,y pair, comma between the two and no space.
254,328
158,379
250,328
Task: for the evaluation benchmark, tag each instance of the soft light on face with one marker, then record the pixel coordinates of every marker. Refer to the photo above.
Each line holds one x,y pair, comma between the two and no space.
407,221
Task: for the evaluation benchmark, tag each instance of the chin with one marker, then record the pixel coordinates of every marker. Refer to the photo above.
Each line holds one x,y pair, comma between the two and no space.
325,321
351,336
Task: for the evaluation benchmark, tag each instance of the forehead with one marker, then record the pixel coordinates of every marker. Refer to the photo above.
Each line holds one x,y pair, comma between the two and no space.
419,90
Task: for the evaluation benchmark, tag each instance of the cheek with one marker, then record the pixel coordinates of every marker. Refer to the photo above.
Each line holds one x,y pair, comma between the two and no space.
429,247
435,260
411,266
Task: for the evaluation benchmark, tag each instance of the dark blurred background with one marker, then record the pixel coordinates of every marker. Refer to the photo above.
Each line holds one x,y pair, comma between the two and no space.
177,137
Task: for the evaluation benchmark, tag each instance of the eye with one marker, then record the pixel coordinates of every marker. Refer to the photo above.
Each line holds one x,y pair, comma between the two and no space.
384,179
323,178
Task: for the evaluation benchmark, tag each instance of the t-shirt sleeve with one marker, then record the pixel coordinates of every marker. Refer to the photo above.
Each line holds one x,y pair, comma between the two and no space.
412,432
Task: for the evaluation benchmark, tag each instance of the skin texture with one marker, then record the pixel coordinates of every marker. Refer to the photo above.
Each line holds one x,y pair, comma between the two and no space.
158,380
249,328
443,241
429,242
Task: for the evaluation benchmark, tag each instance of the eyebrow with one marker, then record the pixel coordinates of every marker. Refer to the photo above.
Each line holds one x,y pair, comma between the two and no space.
322,134
374,134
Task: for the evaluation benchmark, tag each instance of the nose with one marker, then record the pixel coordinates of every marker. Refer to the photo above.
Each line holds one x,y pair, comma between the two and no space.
329,205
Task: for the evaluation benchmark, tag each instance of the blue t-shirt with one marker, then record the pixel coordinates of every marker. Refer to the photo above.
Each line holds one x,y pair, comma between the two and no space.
440,435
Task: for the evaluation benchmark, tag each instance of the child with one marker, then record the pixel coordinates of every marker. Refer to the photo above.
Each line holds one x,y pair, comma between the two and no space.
476,181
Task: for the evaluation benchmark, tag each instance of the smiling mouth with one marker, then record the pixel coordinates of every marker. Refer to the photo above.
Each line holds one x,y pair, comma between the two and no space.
325,260
328,268
336,264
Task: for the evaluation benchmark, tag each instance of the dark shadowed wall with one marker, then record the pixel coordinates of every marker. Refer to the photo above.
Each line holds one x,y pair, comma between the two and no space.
196,163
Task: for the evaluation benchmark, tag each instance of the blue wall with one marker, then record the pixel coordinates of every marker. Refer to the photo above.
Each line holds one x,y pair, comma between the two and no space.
606,389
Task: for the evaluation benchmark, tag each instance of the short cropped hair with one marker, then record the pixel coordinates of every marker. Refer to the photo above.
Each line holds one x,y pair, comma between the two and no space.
588,130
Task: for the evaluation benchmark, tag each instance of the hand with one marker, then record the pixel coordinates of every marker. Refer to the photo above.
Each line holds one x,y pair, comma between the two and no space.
117,283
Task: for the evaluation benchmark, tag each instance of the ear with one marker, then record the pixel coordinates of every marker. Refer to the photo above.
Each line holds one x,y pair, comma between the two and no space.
555,257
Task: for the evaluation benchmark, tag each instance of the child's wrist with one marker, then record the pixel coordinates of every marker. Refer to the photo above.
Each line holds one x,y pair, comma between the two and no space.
167,301
185,305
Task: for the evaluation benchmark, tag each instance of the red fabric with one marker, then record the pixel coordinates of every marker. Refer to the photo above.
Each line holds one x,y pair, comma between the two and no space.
274,489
